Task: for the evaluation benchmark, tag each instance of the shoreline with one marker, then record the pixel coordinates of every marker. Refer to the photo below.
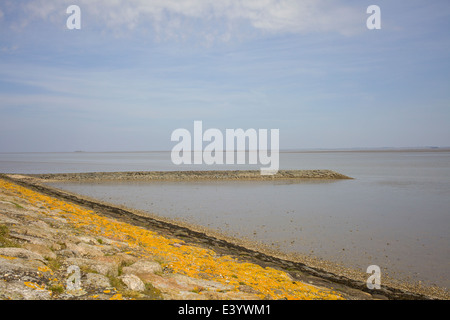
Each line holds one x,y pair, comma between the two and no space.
315,150
301,268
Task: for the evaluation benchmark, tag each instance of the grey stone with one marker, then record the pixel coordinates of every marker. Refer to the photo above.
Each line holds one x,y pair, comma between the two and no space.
133,282
8,267
143,266
85,250
96,280
21,253
17,290
202,283
102,267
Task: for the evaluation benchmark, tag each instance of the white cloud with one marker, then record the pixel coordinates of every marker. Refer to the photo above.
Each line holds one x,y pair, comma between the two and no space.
177,18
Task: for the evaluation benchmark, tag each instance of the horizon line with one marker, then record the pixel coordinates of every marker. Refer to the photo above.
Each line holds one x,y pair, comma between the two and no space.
286,150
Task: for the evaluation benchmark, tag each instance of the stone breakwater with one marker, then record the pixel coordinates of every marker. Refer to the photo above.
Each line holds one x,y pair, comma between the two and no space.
190,175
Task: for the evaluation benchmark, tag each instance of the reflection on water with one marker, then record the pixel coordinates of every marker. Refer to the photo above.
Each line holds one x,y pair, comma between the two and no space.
394,214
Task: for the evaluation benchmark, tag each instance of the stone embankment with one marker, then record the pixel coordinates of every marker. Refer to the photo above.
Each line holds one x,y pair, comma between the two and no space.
52,249
191,175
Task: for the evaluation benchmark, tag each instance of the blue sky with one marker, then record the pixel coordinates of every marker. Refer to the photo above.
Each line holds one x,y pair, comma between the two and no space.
137,70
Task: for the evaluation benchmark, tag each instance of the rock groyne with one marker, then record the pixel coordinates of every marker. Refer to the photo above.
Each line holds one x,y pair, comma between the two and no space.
191,175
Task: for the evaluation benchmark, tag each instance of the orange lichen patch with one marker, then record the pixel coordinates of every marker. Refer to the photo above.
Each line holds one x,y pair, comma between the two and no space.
45,269
117,296
189,260
34,285
7,257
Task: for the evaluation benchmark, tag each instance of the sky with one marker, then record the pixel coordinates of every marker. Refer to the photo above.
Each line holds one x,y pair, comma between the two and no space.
137,70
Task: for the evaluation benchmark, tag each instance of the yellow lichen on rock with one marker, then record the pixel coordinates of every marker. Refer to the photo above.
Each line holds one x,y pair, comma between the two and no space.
174,254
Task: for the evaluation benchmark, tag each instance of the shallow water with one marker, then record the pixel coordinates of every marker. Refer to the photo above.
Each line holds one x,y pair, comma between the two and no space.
394,214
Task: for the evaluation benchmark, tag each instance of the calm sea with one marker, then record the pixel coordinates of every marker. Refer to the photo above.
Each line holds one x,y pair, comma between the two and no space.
394,214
